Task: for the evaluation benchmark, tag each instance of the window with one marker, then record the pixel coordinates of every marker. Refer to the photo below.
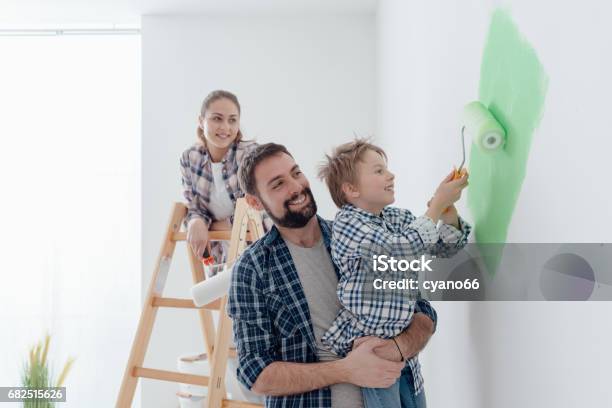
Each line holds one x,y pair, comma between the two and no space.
70,206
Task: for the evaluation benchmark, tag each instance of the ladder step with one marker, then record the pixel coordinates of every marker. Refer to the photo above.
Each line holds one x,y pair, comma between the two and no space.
212,236
226,403
184,303
171,376
231,352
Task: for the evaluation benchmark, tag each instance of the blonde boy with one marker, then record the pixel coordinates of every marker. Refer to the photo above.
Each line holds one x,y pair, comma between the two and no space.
363,188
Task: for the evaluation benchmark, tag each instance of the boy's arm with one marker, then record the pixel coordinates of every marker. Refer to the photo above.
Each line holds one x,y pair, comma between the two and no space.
424,226
452,239
356,238
453,230
448,239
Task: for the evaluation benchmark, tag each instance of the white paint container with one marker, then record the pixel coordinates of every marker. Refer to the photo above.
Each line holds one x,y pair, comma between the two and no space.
197,364
235,387
195,395
187,400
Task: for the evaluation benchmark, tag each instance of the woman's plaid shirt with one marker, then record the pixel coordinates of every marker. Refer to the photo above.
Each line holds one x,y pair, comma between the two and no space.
197,179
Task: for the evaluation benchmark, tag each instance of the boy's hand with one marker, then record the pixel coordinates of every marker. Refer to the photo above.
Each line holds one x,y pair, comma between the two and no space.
448,192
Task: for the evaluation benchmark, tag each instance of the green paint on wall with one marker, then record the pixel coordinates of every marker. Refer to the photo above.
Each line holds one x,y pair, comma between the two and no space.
513,87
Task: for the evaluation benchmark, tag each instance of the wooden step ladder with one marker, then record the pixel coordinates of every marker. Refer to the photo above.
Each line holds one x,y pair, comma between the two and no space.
247,227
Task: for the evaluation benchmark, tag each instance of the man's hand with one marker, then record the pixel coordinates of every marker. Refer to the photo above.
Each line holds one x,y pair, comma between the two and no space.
363,367
387,350
411,341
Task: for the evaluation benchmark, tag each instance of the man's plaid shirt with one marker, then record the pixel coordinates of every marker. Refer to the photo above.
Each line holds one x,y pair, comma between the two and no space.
357,235
271,319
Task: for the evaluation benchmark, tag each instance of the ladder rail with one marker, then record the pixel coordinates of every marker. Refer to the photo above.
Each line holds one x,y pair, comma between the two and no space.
149,312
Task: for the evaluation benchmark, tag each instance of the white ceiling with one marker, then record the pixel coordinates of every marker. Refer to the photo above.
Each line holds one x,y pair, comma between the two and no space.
26,13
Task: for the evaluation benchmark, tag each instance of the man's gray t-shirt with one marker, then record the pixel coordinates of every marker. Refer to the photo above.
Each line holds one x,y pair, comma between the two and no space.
316,271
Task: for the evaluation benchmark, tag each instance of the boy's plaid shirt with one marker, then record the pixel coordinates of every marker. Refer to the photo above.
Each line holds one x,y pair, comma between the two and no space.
271,319
357,235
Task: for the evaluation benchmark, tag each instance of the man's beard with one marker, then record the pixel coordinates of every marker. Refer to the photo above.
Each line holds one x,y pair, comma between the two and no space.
295,219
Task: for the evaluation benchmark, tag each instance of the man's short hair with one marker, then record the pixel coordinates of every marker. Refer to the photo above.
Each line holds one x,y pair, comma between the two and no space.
341,167
246,172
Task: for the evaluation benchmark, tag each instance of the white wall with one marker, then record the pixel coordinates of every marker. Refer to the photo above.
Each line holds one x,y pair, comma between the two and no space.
306,82
507,354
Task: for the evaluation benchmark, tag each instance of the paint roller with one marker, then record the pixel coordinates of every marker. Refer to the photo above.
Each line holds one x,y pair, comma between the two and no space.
486,132
214,287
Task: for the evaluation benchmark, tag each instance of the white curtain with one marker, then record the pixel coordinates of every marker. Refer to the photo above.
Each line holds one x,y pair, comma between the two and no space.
70,207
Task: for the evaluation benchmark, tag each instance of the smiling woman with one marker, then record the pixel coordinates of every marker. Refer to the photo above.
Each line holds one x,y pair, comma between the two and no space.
69,172
209,172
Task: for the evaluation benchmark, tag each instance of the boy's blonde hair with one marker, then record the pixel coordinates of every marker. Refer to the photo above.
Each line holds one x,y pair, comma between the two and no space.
341,167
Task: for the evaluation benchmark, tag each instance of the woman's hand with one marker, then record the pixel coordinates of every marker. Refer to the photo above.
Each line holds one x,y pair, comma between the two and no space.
222,225
197,236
